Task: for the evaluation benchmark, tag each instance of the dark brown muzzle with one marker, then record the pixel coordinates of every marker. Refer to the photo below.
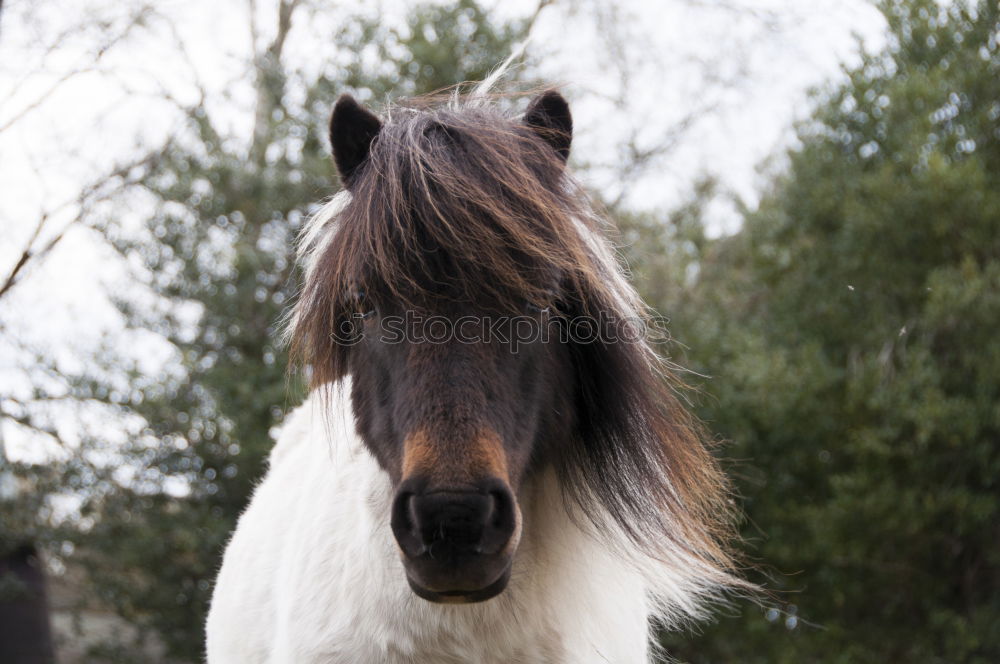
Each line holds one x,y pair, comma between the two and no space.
457,543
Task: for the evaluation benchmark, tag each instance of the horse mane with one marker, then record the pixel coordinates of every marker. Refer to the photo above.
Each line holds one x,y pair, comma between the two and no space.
464,201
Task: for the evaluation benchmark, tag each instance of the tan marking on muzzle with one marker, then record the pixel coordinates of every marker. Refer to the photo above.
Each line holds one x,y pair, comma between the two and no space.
455,462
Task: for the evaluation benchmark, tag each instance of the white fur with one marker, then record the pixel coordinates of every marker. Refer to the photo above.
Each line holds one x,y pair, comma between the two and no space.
312,574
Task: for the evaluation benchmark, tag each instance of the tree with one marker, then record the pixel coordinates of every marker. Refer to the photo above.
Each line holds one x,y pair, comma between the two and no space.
850,329
25,632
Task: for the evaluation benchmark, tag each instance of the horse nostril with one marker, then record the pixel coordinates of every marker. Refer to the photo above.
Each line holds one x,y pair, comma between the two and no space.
501,522
403,520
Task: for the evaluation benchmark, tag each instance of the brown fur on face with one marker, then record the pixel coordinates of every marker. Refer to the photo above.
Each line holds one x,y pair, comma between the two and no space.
455,413
454,463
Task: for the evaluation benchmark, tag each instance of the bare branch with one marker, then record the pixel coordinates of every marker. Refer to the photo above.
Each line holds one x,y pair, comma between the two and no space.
649,136
44,96
138,18
28,422
269,77
285,10
769,18
52,47
542,4
254,31
123,177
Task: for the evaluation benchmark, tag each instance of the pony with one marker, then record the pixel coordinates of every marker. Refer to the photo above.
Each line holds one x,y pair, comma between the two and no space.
493,464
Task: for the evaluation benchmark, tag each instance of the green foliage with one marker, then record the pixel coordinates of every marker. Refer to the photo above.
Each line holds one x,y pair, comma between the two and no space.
440,46
850,330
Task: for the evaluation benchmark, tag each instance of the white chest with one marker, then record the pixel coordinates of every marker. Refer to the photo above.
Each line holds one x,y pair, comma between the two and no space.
312,576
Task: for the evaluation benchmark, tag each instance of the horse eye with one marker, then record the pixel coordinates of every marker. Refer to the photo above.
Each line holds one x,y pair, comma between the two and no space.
362,306
551,298
537,309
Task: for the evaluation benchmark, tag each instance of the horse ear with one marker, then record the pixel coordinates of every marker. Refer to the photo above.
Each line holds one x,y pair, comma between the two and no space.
353,128
548,115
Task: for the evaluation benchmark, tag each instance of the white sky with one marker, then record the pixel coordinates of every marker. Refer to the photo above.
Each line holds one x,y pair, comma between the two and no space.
99,118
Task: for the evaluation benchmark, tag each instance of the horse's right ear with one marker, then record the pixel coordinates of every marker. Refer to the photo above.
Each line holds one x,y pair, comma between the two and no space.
353,129
548,115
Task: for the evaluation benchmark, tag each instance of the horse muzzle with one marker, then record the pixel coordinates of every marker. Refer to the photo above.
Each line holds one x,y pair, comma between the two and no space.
457,544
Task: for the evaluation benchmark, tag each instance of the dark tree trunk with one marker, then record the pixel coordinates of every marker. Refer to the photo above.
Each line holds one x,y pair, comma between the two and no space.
25,635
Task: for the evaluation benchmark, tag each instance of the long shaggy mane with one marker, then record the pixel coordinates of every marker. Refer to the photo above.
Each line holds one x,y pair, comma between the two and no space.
463,201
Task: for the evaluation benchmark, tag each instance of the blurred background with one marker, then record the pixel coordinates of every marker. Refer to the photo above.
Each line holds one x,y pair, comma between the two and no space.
809,191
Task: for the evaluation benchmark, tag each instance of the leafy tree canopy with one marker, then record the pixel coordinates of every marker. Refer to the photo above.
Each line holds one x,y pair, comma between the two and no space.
850,330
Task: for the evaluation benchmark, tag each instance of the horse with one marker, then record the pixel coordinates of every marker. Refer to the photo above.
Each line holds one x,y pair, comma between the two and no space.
494,464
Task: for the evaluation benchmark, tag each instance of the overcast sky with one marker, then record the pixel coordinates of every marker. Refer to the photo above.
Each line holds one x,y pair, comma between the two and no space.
763,56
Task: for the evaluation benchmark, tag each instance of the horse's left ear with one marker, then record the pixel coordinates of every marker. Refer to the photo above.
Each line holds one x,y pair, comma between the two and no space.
353,129
548,115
